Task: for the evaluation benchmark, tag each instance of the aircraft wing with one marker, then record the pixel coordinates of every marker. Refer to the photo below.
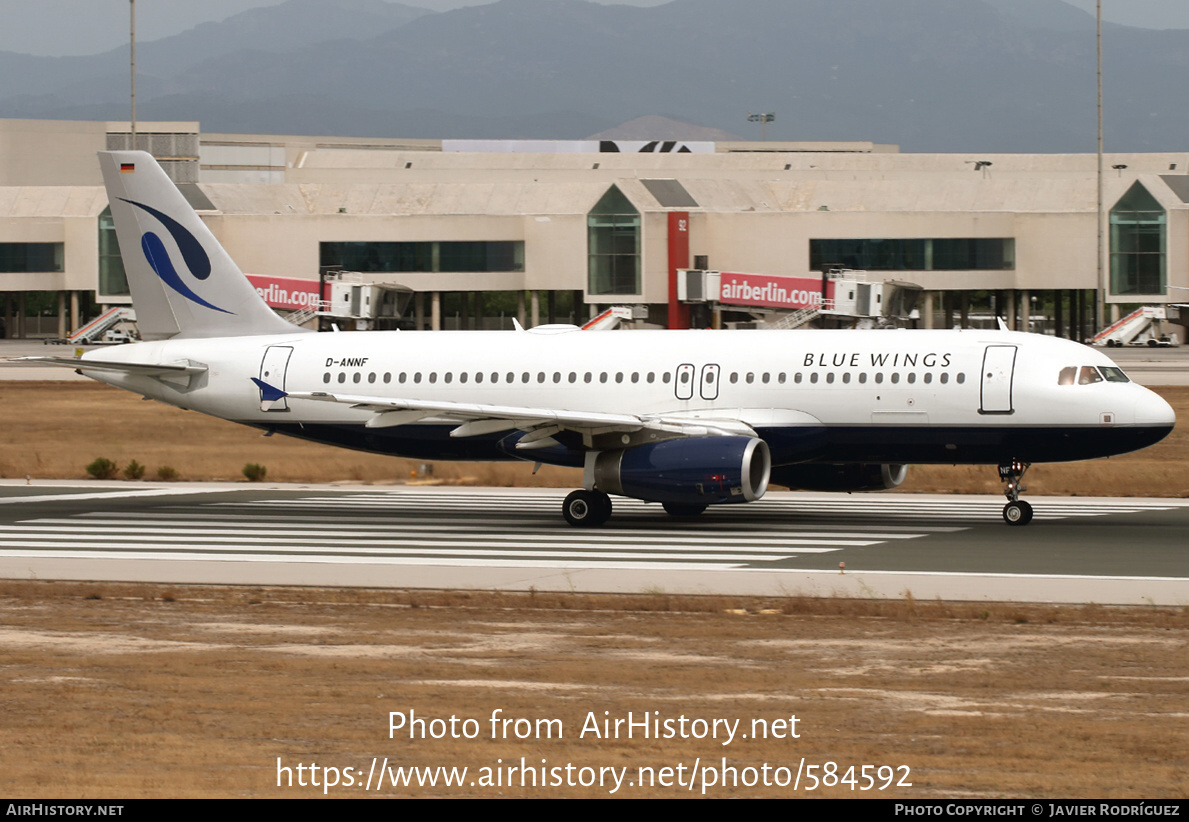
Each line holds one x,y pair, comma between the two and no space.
476,419
145,369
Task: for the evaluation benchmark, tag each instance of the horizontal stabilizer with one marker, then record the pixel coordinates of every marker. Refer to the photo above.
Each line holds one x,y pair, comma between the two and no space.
143,368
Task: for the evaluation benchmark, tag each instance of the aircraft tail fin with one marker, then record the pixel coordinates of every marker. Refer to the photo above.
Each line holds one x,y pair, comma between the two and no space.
183,283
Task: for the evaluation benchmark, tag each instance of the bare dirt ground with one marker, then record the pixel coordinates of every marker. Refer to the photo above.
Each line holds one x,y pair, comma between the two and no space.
141,691
149,691
53,430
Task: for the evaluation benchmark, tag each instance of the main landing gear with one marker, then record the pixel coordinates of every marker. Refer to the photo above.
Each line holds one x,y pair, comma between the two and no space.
1017,511
586,509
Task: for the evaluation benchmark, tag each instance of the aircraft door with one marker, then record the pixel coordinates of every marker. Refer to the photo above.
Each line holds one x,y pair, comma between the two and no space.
684,384
999,362
709,382
272,371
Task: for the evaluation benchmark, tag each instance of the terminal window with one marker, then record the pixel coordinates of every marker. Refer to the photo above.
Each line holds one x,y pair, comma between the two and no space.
927,254
1139,236
17,258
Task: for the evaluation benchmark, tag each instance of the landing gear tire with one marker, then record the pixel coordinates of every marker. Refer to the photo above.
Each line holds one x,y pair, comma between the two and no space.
586,509
1017,513
683,509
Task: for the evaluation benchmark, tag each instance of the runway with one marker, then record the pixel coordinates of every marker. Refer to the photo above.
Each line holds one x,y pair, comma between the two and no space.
1108,551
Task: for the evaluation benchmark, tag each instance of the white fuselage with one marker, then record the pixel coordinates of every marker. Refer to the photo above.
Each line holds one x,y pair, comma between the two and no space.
880,396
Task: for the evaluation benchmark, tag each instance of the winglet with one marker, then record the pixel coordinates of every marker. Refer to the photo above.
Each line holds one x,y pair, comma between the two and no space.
268,394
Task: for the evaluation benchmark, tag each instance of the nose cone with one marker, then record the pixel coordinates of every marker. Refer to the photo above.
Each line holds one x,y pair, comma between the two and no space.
1151,410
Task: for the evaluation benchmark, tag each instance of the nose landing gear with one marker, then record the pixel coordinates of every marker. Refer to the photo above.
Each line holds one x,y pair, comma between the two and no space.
1017,511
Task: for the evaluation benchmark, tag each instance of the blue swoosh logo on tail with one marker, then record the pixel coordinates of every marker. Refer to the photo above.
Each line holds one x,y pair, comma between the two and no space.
193,254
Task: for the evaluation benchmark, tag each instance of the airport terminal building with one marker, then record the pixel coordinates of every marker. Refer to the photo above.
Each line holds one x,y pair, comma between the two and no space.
468,234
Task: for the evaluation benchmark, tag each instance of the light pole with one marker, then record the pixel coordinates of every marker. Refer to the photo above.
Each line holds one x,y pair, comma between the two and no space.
762,119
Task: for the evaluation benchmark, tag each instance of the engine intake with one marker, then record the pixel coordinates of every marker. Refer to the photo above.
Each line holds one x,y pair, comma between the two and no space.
850,477
698,470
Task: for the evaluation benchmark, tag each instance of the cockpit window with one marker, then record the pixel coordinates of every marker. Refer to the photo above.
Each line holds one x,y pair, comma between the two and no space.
1113,374
1067,376
1089,374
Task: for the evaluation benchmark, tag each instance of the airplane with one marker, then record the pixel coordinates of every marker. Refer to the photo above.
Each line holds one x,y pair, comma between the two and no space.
688,419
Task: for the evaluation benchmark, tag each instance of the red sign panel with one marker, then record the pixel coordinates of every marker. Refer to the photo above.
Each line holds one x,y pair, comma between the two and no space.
285,293
766,291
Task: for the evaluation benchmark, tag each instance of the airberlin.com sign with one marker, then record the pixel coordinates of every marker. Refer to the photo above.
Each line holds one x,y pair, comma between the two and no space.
285,293
766,291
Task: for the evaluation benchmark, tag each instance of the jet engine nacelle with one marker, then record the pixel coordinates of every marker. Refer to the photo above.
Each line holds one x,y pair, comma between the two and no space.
849,477
695,471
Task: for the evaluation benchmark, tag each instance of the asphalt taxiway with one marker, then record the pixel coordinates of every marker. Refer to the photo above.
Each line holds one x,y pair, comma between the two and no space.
1077,550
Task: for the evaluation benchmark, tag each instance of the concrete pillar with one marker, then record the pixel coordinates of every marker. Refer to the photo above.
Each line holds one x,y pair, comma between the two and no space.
535,310
1011,309
1058,313
74,323
947,302
435,310
20,325
1114,312
480,311
1025,310
927,310
62,332
418,311
464,318
551,306
521,313
964,306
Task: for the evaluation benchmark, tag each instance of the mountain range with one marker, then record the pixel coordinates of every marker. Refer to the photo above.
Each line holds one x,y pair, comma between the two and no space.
928,75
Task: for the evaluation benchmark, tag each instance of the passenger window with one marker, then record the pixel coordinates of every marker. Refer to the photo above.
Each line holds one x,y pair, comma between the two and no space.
813,378
944,378
665,378
830,378
862,377
478,376
651,376
765,378
846,377
780,379
326,377
447,377
635,376
603,376
540,376
573,377
587,376
895,377
797,378
734,377
750,377
417,376
879,377
912,377
387,377
433,377
961,378
619,376
342,377
371,377
928,377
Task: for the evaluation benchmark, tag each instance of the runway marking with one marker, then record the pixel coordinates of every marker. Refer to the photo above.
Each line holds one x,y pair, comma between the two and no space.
436,527
143,492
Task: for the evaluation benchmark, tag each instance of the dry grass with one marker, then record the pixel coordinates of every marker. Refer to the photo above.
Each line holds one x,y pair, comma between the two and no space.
131,691
52,430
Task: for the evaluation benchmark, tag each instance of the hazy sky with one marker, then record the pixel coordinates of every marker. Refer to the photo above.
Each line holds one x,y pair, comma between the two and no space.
56,27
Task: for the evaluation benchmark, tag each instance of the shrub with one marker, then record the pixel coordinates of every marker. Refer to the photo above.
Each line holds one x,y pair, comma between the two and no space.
103,468
133,471
255,472
167,473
